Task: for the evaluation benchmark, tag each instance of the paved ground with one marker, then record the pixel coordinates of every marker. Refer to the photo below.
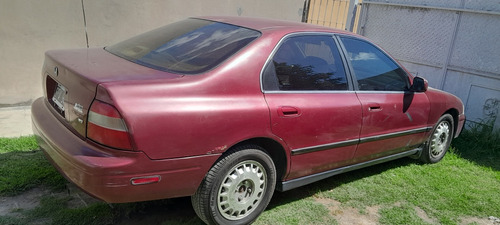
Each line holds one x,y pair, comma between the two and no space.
15,121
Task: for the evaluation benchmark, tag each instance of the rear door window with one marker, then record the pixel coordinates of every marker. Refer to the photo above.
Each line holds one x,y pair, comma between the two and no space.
306,62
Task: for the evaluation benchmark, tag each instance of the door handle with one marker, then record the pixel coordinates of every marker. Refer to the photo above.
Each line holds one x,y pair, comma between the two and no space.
288,111
374,107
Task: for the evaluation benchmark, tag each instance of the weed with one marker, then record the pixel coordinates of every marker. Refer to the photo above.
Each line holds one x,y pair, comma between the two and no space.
481,144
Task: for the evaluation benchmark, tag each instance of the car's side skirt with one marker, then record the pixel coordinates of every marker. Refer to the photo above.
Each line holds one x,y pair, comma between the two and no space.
300,151
291,184
305,150
394,135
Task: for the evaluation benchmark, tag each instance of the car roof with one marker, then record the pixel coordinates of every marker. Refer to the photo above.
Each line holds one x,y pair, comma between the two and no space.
273,25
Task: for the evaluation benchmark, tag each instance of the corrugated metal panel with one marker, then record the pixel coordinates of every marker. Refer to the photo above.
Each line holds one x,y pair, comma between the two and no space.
329,13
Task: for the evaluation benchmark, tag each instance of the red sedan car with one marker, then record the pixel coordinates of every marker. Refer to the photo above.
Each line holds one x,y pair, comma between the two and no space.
228,109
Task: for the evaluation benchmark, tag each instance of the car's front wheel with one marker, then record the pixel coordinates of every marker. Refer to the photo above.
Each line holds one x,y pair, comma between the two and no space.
237,188
439,141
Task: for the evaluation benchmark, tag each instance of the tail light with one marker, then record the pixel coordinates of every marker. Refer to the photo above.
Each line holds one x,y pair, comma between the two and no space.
107,127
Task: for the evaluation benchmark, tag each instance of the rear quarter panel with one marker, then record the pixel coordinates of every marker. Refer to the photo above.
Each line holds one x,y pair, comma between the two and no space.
197,114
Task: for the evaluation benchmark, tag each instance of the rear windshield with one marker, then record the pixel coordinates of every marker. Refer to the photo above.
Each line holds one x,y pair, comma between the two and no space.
189,47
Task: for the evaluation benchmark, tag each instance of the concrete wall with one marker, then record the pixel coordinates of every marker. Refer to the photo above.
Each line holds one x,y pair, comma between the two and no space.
30,27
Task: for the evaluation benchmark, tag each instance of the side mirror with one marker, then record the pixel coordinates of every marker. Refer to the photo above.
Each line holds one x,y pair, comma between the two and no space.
419,84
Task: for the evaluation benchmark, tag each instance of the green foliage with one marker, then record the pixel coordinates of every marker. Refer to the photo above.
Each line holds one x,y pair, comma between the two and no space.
23,167
304,211
24,170
9,220
18,144
447,190
404,214
481,144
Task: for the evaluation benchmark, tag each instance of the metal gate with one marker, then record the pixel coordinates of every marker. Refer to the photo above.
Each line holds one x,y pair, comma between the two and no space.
340,14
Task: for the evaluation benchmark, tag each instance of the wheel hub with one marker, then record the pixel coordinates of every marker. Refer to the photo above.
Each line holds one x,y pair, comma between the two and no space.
242,190
440,139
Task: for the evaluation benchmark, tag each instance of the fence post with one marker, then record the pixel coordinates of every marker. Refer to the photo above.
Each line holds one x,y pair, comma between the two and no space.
305,11
351,15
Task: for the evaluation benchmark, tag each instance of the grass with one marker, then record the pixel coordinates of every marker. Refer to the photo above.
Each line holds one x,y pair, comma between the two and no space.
446,191
23,167
465,184
20,144
400,214
481,145
300,211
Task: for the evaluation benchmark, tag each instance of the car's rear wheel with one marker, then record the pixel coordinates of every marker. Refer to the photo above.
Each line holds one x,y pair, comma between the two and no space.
237,188
439,141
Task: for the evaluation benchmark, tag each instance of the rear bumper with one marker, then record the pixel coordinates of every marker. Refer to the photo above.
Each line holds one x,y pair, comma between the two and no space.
106,173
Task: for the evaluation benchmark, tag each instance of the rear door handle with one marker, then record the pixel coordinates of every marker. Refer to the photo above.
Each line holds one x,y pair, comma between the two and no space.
374,107
288,111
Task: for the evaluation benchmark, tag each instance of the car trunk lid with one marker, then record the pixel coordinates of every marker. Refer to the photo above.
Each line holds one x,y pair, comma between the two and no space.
71,78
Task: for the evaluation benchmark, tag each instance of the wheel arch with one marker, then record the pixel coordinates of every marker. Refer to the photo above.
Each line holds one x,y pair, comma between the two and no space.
275,150
454,114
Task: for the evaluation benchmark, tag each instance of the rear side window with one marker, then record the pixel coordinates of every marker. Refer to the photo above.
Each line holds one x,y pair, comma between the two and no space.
373,69
189,47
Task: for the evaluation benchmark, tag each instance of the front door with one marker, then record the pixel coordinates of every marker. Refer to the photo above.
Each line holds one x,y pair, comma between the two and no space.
394,118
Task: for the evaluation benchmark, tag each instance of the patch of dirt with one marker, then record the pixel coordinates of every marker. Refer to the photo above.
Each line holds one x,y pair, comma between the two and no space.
12,206
350,215
177,210
78,197
423,215
480,221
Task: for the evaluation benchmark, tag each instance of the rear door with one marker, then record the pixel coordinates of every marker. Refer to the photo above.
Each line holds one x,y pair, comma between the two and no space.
394,118
312,104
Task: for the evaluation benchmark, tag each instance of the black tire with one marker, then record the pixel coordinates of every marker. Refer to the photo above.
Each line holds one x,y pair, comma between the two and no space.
439,141
229,195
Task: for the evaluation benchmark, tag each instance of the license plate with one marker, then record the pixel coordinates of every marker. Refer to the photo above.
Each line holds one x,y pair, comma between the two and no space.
58,97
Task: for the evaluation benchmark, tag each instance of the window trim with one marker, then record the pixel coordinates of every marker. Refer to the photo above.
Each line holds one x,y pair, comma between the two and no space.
349,79
353,74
